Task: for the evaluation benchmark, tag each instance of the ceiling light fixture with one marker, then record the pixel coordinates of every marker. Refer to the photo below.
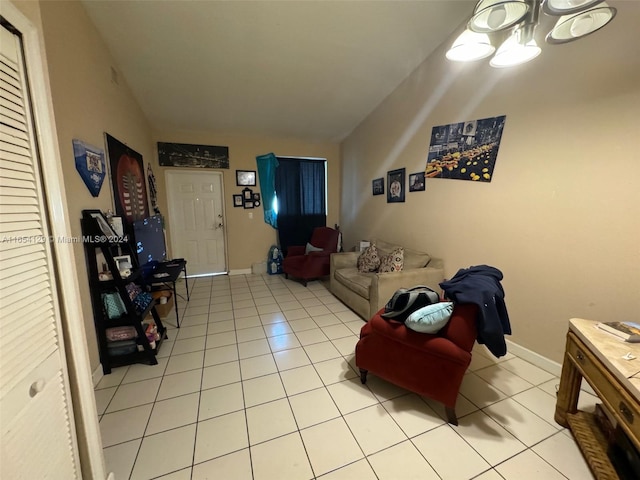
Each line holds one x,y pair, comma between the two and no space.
578,18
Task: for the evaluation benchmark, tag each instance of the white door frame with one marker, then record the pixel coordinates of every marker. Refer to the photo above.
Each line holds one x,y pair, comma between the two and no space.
170,200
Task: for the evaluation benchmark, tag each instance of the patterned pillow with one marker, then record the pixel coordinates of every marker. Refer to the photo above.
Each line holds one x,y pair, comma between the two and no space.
369,260
392,262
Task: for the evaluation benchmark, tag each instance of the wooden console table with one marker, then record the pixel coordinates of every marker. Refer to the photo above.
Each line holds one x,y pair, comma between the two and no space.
596,356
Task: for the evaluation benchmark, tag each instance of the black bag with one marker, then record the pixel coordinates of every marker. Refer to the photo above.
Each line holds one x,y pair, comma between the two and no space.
405,301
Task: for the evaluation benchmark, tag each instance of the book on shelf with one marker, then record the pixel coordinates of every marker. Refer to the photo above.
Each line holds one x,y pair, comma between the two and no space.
627,331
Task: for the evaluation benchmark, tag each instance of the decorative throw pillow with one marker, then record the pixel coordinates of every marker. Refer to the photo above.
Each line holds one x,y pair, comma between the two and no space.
311,248
430,319
392,262
369,260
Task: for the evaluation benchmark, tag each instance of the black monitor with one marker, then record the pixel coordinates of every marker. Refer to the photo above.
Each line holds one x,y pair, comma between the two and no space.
149,241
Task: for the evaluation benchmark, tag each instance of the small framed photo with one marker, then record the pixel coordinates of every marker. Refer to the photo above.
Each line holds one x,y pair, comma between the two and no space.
247,194
237,200
378,186
416,182
248,203
256,200
395,180
246,178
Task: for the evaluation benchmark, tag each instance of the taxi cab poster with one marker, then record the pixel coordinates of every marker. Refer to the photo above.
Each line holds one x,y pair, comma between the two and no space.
465,150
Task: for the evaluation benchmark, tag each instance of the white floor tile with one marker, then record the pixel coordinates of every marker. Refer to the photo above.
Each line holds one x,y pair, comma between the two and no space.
346,345
220,436
287,359
220,401
350,396
360,470
301,379
236,466
334,370
222,374
247,322
412,414
191,332
337,331
257,366
521,422
173,413
103,397
526,370
283,342
189,345
374,429
330,445
179,384
449,455
275,329
120,458
216,356
311,336
479,392
221,339
503,379
402,461
253,348
262,389
124,425
113,379
270,464
184,362
528,466
564,455
488,438
313,407
134,394
184,474
540,403
270,420
321,351
326,320
249,334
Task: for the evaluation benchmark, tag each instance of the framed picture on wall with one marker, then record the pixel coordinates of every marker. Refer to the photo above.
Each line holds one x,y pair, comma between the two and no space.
416,182
378,186
246,178
237,200
395,180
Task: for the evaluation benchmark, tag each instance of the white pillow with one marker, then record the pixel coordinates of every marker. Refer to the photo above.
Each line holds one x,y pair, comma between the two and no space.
311,248
431,318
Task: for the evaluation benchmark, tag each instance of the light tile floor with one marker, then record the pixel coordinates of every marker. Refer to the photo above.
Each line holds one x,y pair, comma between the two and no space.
260,383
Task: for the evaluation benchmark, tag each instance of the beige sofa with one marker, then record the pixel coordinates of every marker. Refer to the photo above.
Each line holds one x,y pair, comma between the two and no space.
366,293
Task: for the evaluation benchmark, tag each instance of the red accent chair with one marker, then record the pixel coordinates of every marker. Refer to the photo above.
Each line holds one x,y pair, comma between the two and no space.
315,264
430,365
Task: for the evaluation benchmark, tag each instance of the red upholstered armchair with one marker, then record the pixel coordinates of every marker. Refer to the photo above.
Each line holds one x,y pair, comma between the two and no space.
315,263
429,365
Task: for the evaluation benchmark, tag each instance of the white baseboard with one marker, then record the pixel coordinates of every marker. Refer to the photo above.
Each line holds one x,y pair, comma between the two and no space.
544,363
243,271
97,375
535,358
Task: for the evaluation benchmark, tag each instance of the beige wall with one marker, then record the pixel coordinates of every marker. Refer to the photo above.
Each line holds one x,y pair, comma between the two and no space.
559,218
86,105
248,239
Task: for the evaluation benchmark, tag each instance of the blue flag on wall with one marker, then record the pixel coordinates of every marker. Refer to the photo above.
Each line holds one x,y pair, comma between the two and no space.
90,164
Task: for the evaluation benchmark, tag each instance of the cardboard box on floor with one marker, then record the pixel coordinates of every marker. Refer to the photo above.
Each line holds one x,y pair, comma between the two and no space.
163,309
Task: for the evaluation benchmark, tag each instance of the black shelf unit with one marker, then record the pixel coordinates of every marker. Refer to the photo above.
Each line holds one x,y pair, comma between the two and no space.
98,237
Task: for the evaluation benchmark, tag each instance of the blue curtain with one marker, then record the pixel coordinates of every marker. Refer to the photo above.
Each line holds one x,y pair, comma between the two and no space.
267,165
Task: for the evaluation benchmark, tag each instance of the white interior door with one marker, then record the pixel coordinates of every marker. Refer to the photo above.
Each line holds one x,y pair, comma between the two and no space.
196,220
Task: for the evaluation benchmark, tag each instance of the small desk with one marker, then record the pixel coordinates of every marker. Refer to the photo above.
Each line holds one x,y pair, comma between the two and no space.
596,356
168,273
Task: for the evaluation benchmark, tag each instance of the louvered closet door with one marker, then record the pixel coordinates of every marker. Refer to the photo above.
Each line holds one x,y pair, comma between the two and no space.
35,425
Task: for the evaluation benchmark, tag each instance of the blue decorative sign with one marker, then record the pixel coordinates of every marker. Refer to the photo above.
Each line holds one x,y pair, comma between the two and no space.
90,164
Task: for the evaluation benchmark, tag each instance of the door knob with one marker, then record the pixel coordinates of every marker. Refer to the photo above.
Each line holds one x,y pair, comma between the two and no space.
220,225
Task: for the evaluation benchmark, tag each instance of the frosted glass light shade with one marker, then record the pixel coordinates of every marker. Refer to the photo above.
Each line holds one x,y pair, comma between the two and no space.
568,7
470,46
572,27
495,15
514,51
